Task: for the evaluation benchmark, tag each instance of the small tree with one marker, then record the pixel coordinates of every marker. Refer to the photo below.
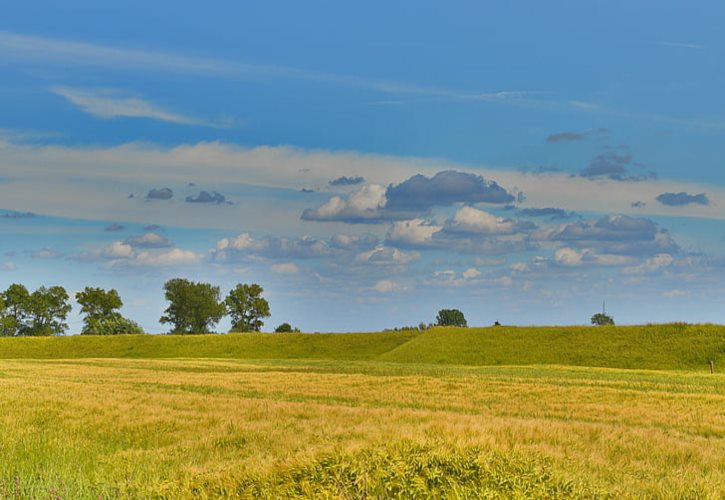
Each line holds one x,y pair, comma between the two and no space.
102,318
247,307
450,317
286,328
602,319
193,307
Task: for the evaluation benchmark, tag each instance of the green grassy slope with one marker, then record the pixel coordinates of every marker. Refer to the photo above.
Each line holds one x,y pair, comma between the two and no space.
672,347
354,346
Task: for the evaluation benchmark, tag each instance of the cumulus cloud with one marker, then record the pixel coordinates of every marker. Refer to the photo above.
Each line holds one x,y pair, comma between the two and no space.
681,199
470,220
245,245
374,203
169,258
363,205
414,232
568,256
614,166
160,194
206,197
117,250
616,234
420,193
149,240
383,255
651,265
347,181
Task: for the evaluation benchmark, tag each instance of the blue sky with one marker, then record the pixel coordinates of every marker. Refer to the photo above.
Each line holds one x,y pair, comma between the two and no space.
370,164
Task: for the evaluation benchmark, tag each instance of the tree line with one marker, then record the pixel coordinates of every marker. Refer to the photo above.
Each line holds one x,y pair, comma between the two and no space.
194,308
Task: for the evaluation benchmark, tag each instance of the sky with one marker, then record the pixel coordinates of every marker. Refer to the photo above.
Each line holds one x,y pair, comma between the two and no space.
370,163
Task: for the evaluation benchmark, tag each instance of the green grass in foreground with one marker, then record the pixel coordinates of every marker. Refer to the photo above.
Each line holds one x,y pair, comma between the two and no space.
662,347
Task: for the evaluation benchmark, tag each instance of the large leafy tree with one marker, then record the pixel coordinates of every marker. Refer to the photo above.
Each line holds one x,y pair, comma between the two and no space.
193,307
7,327
101,313
247,307
16,300
47,310
450,317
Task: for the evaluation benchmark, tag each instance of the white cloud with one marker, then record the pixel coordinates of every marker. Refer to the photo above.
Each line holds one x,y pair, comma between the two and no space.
412,232
472,220
387,255
107,104
471,273
173,257
568,256
118,250
651,265
93,182
360,205
28,49
285,268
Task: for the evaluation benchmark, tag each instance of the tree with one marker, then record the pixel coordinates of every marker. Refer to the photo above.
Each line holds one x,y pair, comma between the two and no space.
602,319
115,325
194,307
286,328
247,307
7,324
101,315
16,301
47,310
450,317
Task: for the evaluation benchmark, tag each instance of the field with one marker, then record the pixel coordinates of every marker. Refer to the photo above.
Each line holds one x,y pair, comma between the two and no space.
445,413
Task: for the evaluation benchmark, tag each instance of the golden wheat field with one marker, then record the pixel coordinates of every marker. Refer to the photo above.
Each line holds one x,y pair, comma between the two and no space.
328,429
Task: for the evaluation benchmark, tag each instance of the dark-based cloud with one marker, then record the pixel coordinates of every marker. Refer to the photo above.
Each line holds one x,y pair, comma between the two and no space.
17,215
681,199
420,193
614,166
207,197
617,234
148,240
411,198
160,194
553,213
112,228
347,181
575,136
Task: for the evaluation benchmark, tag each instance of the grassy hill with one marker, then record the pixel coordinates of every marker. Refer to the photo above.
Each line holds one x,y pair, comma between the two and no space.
657,347
674,347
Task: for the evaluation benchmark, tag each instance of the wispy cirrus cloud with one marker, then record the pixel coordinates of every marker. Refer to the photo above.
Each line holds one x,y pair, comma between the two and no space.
110,103
45,50
681,45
